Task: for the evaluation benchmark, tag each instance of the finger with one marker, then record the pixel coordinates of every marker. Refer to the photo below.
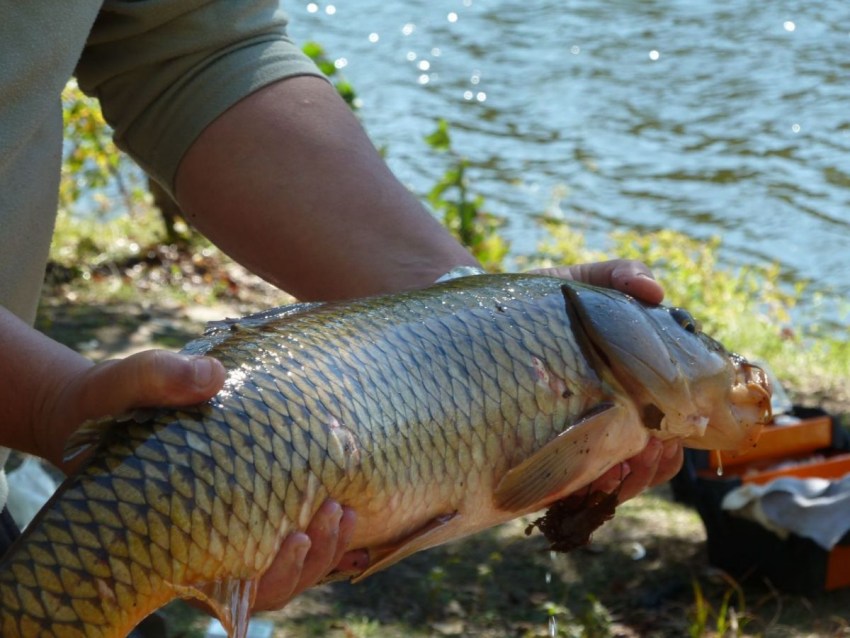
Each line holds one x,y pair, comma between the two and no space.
611,480
329,533
280,582
353,562
148,379
670,462
644,466
347,523
346,563
324,532
625,275
635,278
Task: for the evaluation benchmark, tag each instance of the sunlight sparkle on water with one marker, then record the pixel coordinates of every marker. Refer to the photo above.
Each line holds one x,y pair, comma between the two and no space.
480,96
411,56
795,128
408,28
330,9
789,26
654,55
312,7
452,17
575,49
424,65
374,37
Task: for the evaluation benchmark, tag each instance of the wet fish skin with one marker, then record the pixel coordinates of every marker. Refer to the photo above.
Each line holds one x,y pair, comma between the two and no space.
427,412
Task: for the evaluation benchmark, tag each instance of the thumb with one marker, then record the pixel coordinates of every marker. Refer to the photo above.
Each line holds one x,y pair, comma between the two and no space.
151,378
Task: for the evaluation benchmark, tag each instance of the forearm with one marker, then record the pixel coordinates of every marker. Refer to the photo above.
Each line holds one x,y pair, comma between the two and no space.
32,372
288,183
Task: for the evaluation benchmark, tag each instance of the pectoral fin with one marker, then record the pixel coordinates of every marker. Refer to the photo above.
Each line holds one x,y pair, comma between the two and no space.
573,459
435,532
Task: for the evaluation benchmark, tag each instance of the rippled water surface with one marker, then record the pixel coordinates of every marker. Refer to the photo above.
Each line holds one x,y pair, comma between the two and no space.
727,117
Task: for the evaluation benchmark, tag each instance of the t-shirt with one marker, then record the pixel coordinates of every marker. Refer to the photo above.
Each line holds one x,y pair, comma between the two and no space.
162,69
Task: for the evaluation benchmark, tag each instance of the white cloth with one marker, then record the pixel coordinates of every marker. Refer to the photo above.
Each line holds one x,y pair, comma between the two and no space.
814,508
30,486
4,486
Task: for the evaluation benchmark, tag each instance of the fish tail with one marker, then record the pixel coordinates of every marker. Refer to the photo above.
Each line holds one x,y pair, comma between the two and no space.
106,552
67,577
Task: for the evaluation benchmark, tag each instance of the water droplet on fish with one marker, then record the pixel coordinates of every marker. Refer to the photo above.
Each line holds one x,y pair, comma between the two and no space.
719,463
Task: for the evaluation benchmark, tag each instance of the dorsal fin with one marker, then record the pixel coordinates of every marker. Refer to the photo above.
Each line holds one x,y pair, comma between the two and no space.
217,332
88,435
92,432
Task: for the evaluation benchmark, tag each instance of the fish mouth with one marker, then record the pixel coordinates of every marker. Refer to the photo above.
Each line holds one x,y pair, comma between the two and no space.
750,395
684,384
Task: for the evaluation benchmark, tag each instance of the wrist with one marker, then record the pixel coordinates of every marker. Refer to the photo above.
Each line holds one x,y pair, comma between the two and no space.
56,413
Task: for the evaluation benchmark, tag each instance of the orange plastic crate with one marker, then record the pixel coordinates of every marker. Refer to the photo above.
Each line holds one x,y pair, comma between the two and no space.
780,441
833,467
804,449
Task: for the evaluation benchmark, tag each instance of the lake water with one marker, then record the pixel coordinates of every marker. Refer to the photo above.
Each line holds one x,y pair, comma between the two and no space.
728,117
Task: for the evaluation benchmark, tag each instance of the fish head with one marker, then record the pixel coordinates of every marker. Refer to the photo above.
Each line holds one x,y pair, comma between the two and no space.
684,384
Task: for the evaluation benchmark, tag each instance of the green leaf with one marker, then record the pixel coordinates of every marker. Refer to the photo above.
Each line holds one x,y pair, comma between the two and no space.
440,139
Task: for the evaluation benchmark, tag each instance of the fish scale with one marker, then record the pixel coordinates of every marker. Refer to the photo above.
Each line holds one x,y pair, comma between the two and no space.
414,409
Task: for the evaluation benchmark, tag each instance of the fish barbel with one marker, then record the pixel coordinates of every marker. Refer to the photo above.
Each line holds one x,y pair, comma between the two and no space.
434,414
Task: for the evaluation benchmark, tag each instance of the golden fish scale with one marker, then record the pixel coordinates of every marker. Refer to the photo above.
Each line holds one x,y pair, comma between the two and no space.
402,407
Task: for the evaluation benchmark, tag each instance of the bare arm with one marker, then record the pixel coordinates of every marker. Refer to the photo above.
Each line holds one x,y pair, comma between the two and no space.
288,183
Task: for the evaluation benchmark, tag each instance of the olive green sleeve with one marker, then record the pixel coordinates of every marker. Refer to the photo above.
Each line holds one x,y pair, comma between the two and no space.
164,70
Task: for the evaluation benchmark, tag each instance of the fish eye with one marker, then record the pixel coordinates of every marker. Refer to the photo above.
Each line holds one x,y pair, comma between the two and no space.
685,319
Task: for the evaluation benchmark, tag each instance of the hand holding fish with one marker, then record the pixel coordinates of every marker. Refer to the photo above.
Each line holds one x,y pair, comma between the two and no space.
658,462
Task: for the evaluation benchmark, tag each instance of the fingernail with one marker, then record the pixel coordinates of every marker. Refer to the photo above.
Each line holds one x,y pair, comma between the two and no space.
301,552
655,449
203,370
301,545
671,449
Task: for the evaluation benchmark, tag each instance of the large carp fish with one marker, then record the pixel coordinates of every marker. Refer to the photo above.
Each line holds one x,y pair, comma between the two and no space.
434,414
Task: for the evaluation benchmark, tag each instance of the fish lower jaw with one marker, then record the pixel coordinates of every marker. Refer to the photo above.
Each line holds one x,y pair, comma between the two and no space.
688,427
